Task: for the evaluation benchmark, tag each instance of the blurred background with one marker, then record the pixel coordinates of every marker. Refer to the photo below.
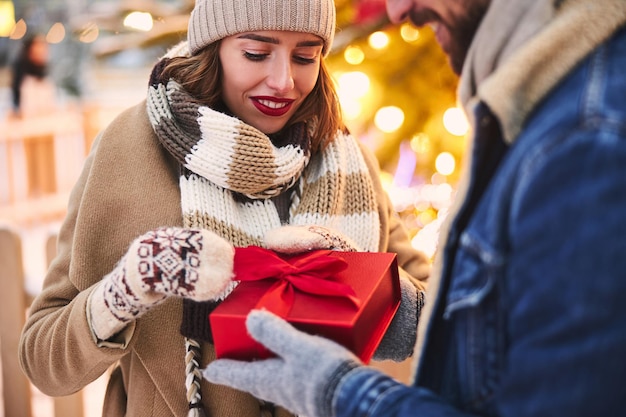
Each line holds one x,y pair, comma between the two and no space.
93,59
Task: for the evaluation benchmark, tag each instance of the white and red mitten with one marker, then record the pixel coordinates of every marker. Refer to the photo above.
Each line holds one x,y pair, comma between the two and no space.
297,239
190,263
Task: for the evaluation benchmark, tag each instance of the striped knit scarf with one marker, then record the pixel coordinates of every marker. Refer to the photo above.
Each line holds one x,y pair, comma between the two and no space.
232,173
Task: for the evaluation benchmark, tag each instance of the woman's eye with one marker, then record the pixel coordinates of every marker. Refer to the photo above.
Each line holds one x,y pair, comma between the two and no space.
304,60
254,57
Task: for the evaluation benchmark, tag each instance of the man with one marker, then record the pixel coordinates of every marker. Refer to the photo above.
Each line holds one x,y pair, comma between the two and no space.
525,312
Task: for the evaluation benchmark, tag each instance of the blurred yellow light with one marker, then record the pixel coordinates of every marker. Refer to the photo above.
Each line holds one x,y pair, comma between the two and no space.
354,55
56,34
139,20
438,179
7,18
353,85
445,163
350,108
19,31
427,239
420,143
89,33
389,119
386,180
426,217
443,193
455,122
409,32
378,40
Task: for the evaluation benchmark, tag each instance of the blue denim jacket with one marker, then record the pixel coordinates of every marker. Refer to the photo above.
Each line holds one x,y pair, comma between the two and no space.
530,319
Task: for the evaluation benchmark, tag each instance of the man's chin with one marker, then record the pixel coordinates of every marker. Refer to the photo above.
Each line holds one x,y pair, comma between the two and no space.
456,63
444,39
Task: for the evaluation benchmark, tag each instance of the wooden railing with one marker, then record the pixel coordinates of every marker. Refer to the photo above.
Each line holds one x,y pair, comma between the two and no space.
14,301
41,155
40,160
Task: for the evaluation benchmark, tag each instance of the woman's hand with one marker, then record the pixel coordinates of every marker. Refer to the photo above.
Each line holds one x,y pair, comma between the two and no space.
297,239
188,263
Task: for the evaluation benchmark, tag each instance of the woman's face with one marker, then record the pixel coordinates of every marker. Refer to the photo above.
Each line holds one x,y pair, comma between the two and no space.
38,52
266,75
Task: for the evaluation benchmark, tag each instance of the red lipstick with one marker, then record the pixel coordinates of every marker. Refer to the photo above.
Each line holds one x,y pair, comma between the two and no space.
272,106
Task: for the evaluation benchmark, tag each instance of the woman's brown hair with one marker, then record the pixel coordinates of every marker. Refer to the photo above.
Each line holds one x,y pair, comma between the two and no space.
200,76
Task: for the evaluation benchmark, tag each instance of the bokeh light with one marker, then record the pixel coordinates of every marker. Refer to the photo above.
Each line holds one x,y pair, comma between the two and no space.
455,122
354,55
378,40
141,21
355,84
409,33
389,119
19,31
89,33
56,34
7,18
445,163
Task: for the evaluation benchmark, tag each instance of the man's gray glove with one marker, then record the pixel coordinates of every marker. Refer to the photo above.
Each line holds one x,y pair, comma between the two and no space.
302,378
399,339
188,263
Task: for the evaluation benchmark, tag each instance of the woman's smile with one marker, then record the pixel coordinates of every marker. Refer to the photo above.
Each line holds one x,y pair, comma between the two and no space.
272,106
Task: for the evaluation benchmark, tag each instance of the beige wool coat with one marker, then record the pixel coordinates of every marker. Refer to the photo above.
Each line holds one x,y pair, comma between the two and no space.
129,186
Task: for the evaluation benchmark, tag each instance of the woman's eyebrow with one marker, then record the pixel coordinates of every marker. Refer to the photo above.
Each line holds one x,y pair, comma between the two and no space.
276,41
317,42
259,38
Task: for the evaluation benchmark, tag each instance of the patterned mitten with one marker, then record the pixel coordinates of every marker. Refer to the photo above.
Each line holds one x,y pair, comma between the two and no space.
302,378
298,239
399,340
189,263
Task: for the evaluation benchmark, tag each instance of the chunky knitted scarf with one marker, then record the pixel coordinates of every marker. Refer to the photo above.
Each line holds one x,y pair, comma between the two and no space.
232,174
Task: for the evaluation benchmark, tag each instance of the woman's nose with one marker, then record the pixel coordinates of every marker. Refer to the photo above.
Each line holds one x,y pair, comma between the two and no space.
281,77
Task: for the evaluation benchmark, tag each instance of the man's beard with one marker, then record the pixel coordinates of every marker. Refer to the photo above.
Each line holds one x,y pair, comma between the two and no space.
463,33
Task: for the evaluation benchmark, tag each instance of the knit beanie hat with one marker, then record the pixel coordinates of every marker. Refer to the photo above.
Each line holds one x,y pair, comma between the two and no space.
212,20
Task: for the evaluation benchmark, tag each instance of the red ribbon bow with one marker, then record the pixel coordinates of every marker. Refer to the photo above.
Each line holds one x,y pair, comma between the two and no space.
312,273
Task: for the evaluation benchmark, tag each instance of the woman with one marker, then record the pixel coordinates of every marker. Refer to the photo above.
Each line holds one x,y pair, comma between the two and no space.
33,96
238,143
32,92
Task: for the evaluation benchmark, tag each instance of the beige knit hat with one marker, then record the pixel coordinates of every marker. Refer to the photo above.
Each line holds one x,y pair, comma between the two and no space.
212,20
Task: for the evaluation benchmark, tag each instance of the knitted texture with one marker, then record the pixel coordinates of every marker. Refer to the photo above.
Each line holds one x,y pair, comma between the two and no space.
297,239
231,172
189,263
399,339
212,20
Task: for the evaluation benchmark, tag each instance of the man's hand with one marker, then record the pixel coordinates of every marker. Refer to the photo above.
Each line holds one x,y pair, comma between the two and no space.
303,376
399,340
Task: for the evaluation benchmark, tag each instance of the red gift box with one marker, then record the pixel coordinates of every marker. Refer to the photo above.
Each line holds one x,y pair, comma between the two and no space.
349,297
